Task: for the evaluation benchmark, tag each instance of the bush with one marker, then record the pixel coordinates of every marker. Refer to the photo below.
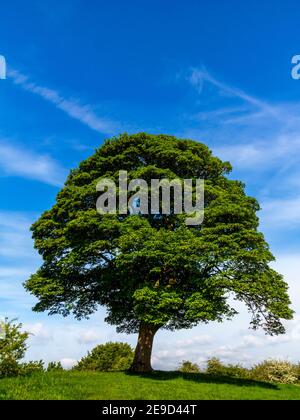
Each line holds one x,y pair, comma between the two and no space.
268,371
188,367
31,367
216,368
276,371
54,367
236,371
12,348
107,357
9,367
297,372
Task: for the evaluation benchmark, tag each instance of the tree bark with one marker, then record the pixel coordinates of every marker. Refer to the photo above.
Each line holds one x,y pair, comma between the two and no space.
142,356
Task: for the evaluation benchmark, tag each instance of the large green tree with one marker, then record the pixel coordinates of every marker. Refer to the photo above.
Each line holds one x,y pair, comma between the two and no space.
154,272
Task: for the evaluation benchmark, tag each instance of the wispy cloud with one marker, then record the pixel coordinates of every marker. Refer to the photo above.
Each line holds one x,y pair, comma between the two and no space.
40,335
261,154
259,137
250,132
198,77
89,336
13,273
197,340
17,261
17,161
282,212
72,107
12,291
15,239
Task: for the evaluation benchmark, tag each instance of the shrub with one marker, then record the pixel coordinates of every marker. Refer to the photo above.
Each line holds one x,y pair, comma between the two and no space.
9,367
188,367
214,367
297,371
217,368
12,348
31,367
275,371
54,367
236,371
269,371
107,358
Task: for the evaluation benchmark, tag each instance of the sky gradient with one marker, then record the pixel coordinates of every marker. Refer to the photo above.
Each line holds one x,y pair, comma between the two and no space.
216,72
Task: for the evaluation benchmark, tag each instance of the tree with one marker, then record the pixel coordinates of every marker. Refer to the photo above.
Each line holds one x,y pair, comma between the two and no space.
107,357
188,367
12,347
153,271
54,367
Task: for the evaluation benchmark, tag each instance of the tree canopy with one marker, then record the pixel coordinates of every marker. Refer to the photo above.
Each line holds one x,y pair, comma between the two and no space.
153,271
109,357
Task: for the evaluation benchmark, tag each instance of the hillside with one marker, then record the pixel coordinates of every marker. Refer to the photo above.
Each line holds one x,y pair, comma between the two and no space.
159,385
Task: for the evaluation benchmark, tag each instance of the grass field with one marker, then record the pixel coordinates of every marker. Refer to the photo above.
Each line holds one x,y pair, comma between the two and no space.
159,385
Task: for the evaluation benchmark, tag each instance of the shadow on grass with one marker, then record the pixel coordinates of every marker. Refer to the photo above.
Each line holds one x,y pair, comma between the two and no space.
202,378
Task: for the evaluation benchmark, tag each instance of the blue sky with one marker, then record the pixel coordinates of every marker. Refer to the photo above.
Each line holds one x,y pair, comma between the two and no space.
217,72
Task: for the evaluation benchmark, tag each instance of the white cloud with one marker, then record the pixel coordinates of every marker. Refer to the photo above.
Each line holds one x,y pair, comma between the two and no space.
13,298
260,155
162,354
14,220
227,353
249,341
61,338
260,139
281,212
89,337
9,290
39,333
197,77
8,272
15,236
257,134
242,156
199,340
18,260
68,363
17,161
180,353
72,107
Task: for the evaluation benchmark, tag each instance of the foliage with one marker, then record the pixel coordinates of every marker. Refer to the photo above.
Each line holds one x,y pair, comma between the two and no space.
12,348
297,371
31,367
154,269
275,371
214,366
217,368
9,367
107,357
54,366
188,367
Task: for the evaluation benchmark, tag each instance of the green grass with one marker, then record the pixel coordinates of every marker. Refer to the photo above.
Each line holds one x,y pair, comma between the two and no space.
158,385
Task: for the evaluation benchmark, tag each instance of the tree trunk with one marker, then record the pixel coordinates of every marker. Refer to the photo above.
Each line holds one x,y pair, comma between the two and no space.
142,355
